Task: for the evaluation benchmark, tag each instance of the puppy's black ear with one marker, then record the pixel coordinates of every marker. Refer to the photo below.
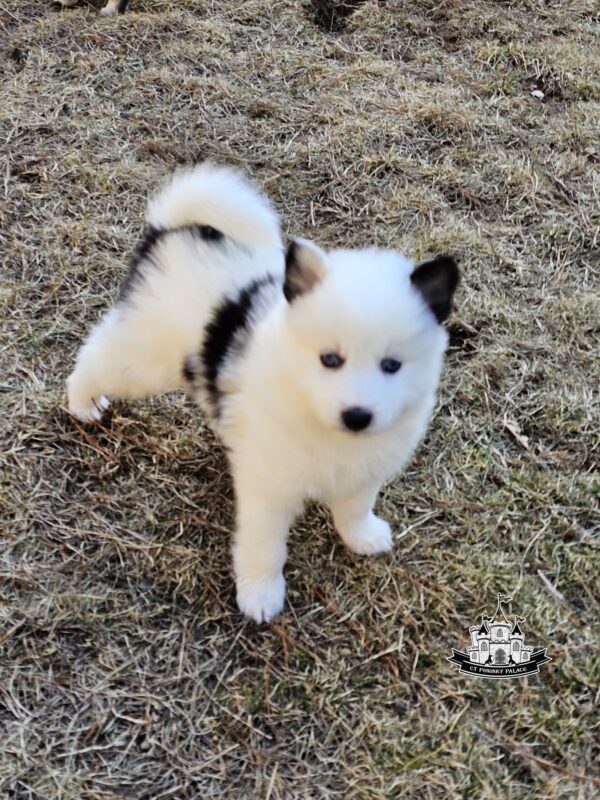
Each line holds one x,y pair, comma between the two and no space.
304,267
437,280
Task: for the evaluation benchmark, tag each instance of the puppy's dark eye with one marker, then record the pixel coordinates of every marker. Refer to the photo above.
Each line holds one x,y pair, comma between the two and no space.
332,360
390,365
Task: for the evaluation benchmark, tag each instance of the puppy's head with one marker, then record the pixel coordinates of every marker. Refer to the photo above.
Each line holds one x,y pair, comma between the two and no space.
364,342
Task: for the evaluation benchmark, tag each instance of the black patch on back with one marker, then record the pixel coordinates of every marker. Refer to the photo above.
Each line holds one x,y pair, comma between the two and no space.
122,6
230,319
142,252
437,280
148,242
205,232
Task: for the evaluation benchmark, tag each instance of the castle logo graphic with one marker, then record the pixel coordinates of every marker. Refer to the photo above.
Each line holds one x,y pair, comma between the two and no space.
498,648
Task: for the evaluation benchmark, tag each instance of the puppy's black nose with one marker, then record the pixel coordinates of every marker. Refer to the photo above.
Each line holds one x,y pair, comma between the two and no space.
356,419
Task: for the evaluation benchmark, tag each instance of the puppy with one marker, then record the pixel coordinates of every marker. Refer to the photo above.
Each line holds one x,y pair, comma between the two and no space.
318,369
111,9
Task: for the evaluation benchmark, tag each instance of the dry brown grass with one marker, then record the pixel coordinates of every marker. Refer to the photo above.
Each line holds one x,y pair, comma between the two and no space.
125,669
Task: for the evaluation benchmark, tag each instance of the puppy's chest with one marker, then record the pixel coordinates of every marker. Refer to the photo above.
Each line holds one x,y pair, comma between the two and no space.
329,476
335,472
300,465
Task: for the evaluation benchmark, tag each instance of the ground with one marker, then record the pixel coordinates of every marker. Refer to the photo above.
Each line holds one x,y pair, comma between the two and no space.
125,669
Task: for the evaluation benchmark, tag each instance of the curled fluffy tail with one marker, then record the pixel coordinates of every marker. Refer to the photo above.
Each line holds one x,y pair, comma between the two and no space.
220,198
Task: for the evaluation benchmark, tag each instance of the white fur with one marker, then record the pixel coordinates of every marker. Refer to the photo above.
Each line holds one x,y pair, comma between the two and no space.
281,413
138,347
220,197
111,8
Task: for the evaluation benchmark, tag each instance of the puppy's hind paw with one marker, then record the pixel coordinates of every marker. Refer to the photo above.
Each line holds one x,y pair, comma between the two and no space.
370,537
261,600
111,9
89,412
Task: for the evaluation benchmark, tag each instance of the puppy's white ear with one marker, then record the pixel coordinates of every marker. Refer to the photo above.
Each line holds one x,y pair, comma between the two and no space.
437,280
304,268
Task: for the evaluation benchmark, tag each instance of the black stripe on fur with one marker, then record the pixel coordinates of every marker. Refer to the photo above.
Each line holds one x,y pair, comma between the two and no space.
230,321
205,232
150,238
142,252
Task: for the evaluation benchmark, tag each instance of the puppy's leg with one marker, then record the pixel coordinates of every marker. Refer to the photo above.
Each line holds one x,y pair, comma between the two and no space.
259,553
125,356
361,531
114,7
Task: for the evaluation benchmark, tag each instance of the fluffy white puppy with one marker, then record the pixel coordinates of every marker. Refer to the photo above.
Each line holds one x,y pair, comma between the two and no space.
318,369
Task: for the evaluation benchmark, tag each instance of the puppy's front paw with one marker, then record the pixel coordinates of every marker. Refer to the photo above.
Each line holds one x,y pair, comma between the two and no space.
369,537
261,600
